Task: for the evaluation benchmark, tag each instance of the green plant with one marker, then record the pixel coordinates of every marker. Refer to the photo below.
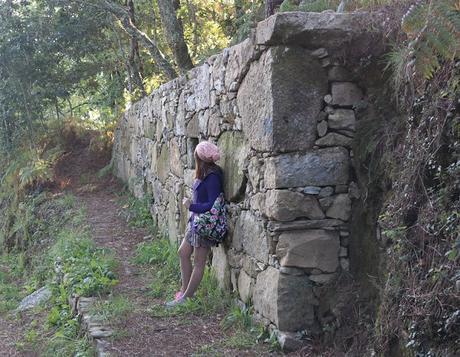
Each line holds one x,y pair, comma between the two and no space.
137,212
238,317
433,31
111,310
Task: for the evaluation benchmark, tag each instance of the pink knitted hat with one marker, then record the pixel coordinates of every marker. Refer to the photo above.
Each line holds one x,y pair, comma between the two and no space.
207,151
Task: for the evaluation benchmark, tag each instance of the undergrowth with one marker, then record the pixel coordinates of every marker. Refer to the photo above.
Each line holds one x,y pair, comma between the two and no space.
64,258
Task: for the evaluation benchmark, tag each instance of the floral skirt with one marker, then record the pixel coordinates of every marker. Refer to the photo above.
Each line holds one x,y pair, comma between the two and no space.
195,240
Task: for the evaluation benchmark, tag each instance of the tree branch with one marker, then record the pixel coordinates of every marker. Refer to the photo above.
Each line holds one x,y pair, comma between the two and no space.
159,58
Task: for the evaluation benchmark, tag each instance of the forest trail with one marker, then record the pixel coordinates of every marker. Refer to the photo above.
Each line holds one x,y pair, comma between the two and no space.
140,333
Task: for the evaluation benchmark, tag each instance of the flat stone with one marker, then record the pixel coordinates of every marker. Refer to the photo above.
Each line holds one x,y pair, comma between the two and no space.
320,53
100,332
349,133
177,167
334,139
192,129
322,128
257,202
343,252
312,190
234,149
291,271
342,119
328,99
250,266
249,233
289,85
341,189
326,192
162,164
284,205
346,94
302,225
255,172
276,297
245,286
330,30
340,208
221,267
240,57
326,202
323,167
322,278
203,120
33,300
309,249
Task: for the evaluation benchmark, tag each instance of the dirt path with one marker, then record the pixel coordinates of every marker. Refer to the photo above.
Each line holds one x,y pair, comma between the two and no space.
141,334
10,334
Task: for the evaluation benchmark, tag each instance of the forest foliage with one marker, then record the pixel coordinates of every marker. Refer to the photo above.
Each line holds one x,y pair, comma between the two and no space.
72,65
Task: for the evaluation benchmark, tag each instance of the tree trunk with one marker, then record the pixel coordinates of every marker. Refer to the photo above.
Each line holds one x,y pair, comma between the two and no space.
159,58
133,57
174,33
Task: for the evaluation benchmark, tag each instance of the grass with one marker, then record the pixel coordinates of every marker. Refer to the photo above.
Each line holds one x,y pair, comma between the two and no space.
137,212
161,258
112,310
62,255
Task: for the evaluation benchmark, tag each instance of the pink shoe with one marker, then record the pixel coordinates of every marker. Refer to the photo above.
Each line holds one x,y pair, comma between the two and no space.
178,295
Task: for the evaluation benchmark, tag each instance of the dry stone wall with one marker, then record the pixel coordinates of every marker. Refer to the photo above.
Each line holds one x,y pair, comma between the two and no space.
282,108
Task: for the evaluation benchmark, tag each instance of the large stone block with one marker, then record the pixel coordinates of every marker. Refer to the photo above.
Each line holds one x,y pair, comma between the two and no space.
342,119
340,208
334,139
239,59
200,86
314,30
314,249
280,99
286,300
249,234
221,267
346,94
173,228
284,205
323,167
162,164
245,286
177,167
234,149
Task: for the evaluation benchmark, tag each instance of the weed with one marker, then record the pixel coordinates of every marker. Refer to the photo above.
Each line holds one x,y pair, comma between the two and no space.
241,339
239,317
137,212
112,310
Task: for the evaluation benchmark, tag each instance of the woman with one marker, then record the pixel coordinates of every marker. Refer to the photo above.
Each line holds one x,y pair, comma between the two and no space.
207,187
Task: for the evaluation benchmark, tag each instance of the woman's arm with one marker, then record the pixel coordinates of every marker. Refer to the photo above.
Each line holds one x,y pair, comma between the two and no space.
213,188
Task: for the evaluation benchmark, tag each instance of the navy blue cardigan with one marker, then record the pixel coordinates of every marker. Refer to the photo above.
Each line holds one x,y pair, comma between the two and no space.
207,192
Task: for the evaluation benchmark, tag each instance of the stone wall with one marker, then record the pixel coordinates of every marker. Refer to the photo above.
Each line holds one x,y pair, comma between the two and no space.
283,108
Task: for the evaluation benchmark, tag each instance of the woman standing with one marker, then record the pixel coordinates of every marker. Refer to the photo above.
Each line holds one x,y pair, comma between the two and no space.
207,187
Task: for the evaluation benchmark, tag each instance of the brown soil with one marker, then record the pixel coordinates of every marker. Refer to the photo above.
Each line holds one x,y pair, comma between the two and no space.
140,334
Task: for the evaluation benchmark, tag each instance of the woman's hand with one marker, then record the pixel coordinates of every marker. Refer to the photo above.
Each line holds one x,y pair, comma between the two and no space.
186,202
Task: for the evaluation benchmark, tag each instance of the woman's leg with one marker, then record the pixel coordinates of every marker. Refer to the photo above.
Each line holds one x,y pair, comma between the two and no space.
201,254
185,252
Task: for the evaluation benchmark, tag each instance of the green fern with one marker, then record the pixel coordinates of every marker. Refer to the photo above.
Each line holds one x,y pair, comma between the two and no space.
433,29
